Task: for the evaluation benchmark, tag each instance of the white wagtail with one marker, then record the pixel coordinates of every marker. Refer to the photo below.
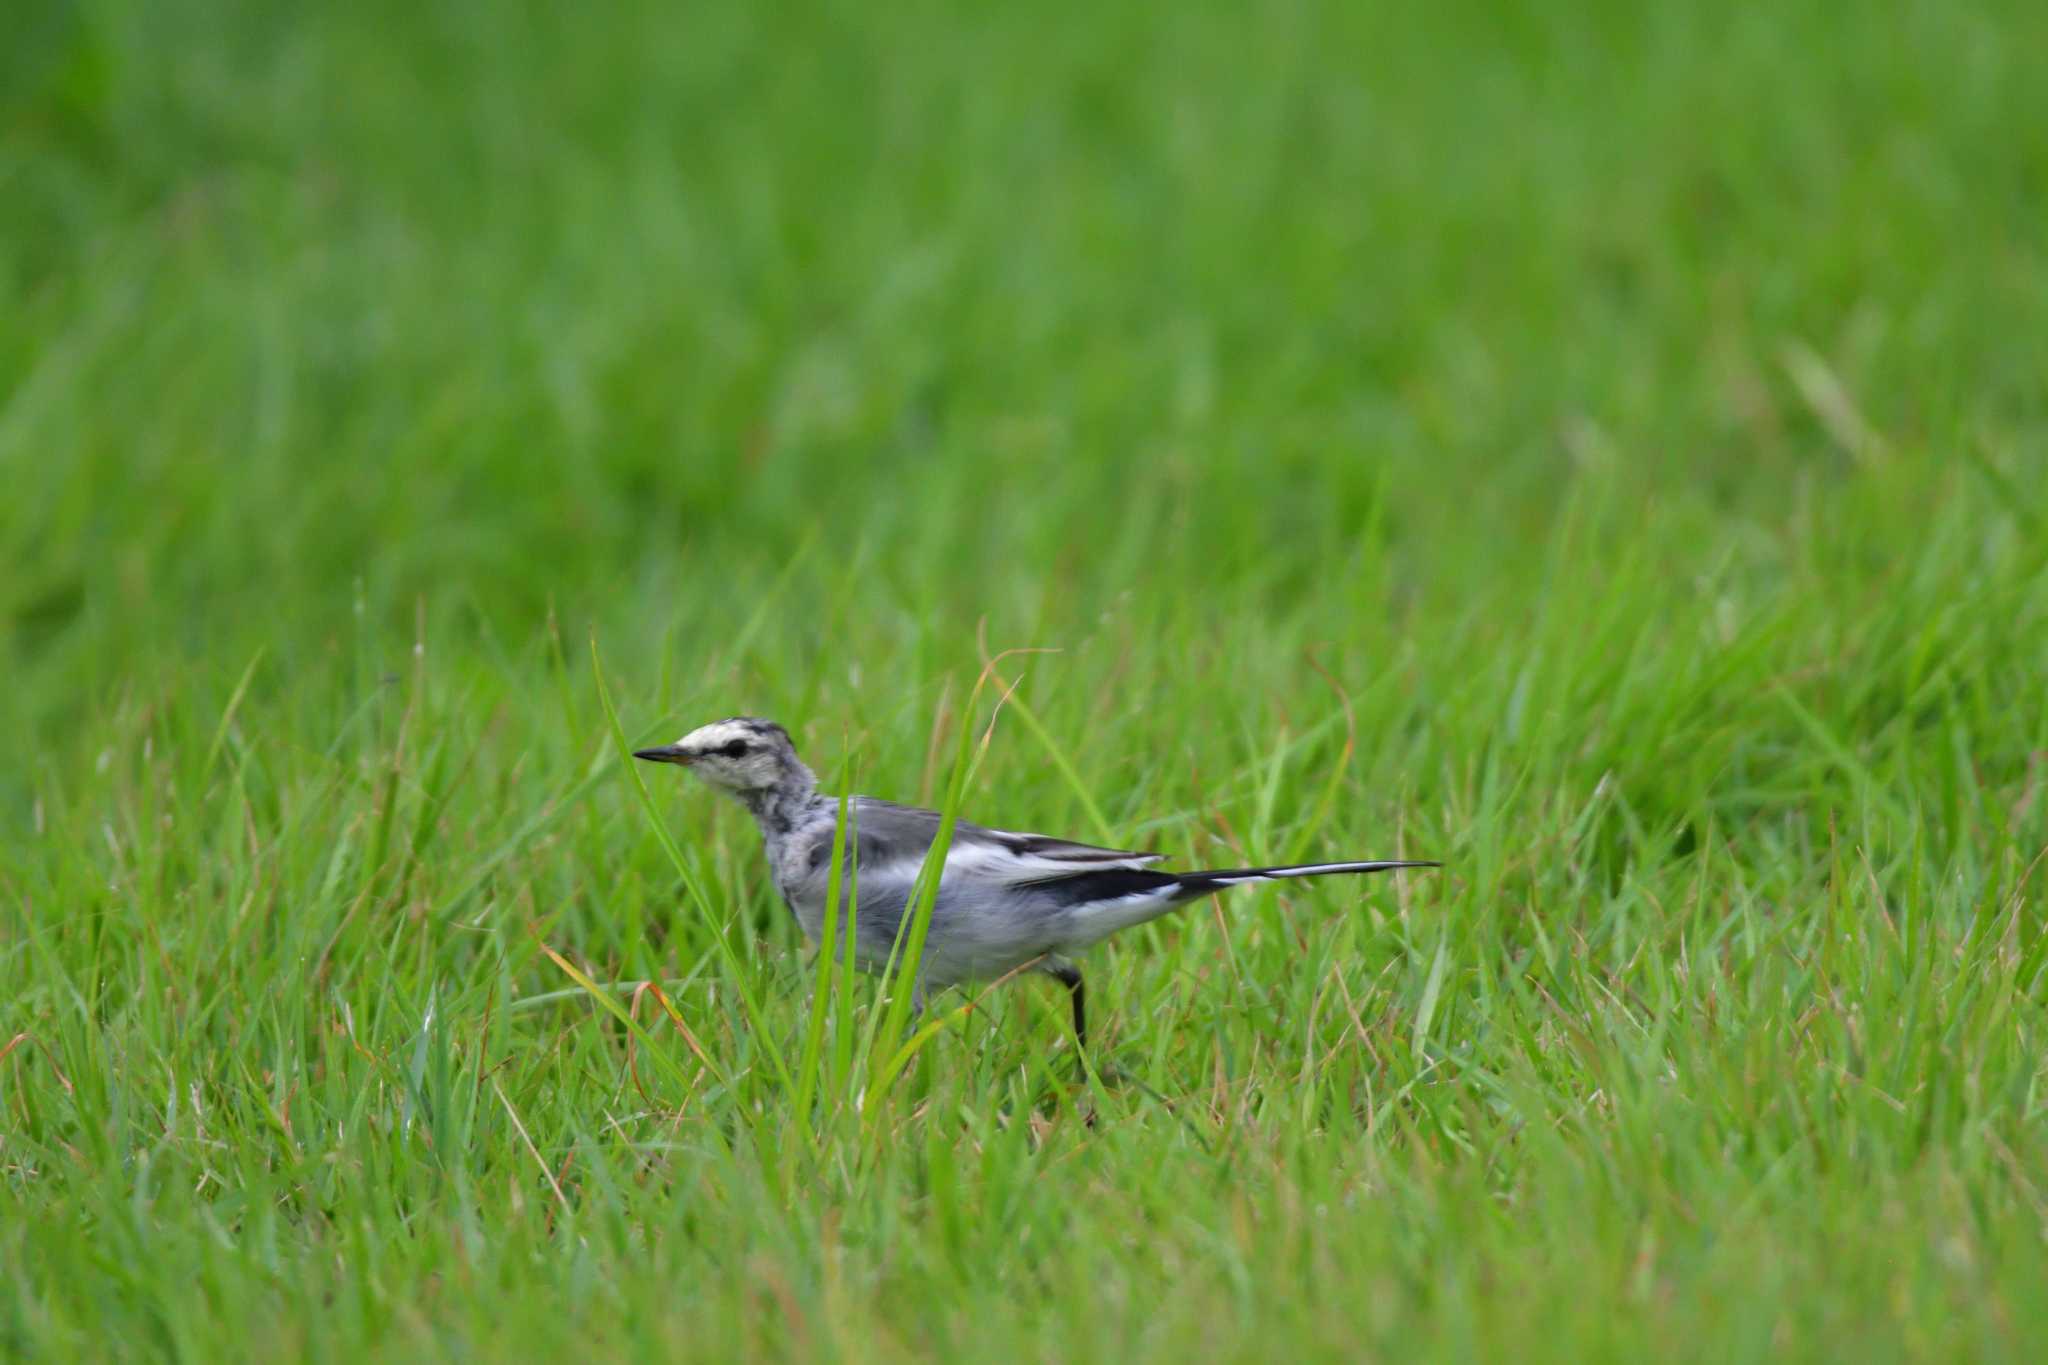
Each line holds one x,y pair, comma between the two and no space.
1005,900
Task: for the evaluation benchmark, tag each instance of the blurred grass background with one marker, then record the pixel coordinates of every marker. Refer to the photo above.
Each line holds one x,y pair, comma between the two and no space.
1606,444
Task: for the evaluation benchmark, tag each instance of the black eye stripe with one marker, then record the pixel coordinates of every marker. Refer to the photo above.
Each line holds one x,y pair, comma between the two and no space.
734,748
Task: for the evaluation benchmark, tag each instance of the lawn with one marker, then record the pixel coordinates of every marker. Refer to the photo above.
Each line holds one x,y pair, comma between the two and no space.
1602,447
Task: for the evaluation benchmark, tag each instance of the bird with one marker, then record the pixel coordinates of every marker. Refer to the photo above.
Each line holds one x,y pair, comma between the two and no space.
1007,901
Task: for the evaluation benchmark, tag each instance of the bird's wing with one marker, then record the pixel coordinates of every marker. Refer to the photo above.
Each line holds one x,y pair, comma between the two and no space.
891,834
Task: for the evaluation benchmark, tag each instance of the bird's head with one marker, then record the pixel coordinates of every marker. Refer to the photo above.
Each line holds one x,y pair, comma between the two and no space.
743,756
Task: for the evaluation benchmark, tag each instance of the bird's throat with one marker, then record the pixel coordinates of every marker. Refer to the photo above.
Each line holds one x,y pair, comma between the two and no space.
780,808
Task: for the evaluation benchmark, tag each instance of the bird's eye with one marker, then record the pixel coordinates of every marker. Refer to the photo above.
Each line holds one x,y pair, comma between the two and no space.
734,749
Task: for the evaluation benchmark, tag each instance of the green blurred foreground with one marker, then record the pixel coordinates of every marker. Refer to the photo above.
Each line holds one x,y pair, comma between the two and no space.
1602,450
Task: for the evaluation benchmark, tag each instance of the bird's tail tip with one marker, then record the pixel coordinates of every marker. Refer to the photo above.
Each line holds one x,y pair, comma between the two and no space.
1236,875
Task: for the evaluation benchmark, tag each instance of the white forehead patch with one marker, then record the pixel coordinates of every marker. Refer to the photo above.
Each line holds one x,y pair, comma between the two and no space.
719,732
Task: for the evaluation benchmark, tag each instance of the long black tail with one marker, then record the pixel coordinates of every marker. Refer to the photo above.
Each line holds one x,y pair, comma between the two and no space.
1100,903
1172,888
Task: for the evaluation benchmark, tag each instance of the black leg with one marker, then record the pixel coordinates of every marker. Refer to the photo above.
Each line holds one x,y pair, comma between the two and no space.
1068,975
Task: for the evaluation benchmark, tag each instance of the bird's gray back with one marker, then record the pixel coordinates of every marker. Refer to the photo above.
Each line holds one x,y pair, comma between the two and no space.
890,830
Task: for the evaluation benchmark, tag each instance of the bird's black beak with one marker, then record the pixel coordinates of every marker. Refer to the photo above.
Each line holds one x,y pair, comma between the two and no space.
667,753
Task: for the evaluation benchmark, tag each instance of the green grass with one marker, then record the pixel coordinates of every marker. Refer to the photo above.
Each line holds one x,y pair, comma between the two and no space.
1601,449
